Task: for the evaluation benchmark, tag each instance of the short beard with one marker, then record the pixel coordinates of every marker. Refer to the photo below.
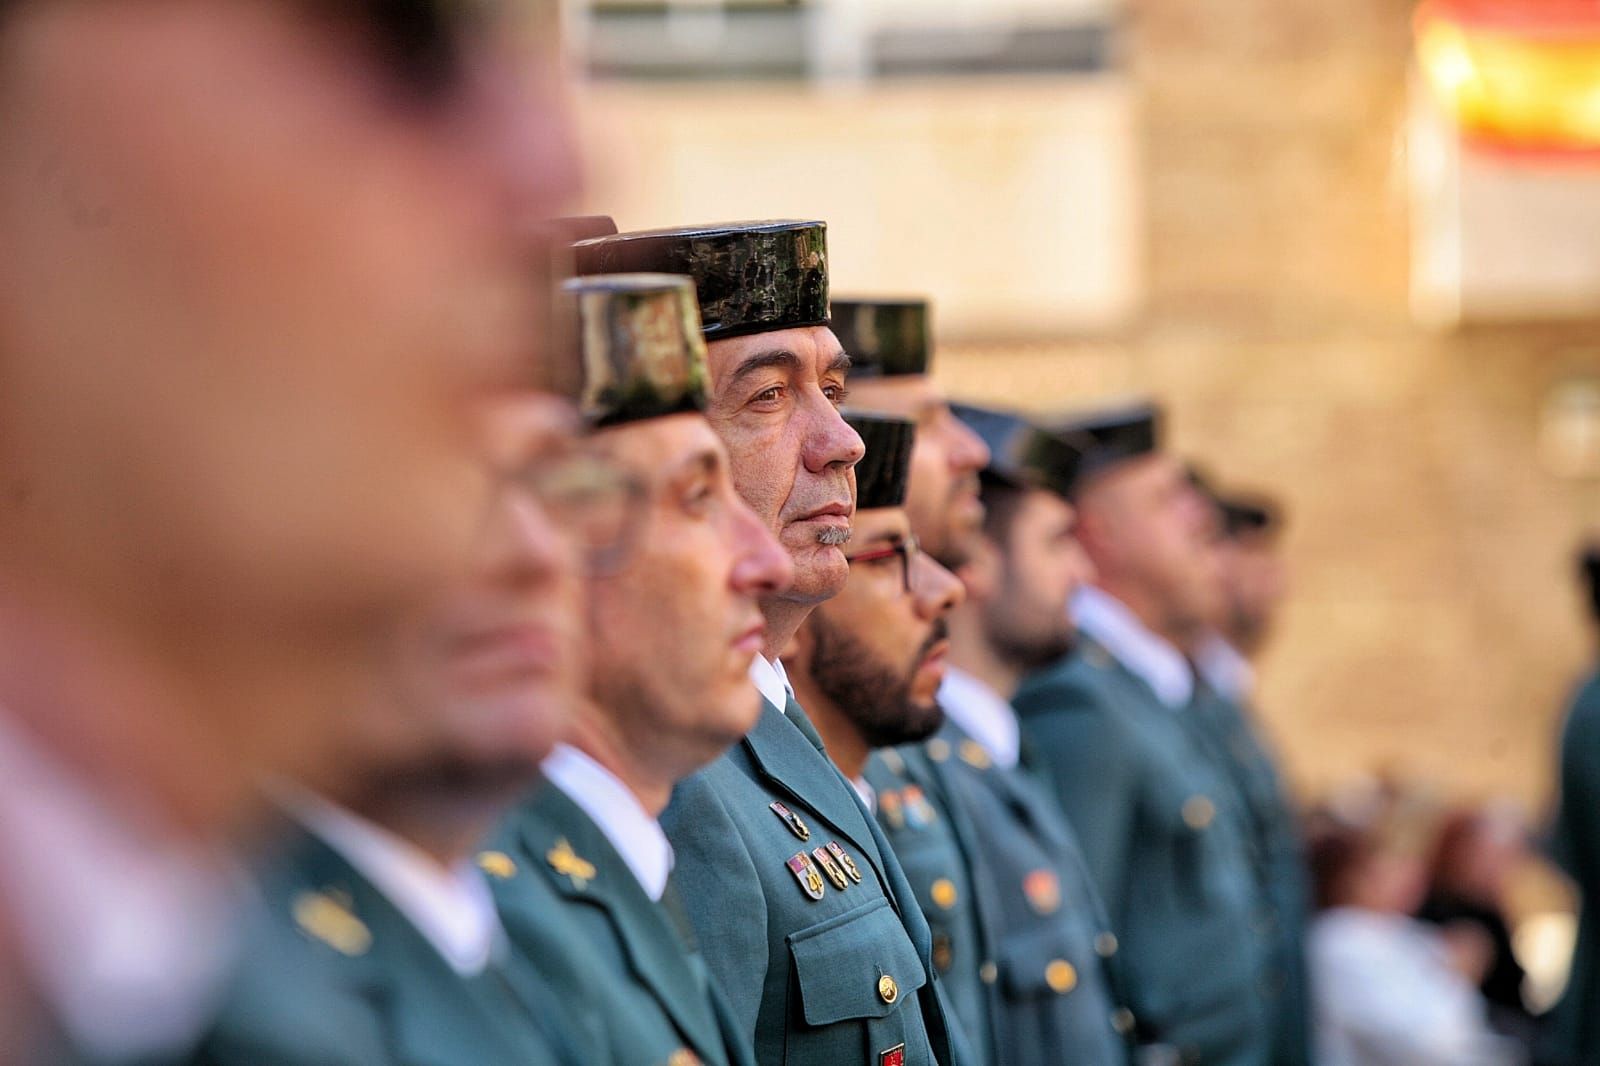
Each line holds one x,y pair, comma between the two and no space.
833,536
872,694
1015,645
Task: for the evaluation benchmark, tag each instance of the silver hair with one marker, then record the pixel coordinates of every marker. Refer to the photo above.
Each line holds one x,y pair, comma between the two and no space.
833,535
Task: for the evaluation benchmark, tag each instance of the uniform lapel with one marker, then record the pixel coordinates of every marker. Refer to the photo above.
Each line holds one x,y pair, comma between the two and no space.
656,954
792,764
435,1017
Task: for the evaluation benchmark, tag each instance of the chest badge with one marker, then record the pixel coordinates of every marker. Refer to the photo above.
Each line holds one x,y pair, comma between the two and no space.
831,867
895,1056
1043,890
919,812
566,862
805,871
791,819
843,858
892,809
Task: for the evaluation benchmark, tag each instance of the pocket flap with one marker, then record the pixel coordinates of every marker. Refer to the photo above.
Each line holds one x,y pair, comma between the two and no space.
859,964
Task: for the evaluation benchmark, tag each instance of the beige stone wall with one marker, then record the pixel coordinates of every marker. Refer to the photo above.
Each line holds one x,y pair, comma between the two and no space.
1434,625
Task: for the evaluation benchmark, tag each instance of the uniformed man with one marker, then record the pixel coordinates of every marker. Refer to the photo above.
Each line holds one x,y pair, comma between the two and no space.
867,665
890,344
818,975
1157,821
1055,955
237,441
385,883
1252,585
580,871
1573,1035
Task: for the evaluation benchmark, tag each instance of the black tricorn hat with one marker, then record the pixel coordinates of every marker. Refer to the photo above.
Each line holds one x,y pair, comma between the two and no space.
883,474
751,277
1107,438
641,351
1021,453
884,338
556,366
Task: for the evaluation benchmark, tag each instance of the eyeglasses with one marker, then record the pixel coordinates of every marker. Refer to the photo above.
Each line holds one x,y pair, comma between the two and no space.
905,550
596,503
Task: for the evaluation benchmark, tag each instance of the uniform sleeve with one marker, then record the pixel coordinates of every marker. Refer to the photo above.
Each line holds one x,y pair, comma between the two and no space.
1091,774
1573,835
722,894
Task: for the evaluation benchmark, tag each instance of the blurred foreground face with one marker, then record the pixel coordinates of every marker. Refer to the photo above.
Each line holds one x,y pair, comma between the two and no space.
775,403
1150,534
1026,588
877,650
1254,582
675,626
943,500
260,267
484,678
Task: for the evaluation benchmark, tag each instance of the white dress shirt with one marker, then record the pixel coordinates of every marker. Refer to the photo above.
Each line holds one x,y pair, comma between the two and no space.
1225,670
771,680
1152,659
126,933
613,807
452,908
982,714
1386,995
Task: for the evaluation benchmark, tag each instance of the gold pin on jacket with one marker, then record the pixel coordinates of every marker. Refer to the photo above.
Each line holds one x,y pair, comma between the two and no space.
805,872
831,867
497,864
566,862
844,860
328,917
791,819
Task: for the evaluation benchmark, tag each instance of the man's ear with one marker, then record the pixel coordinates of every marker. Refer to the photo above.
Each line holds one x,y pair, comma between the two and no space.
981,573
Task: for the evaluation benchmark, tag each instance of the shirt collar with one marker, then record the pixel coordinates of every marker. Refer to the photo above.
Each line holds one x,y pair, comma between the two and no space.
771,680
613,807
1225,670
1160,665
982,714
125,932
452,908
868,794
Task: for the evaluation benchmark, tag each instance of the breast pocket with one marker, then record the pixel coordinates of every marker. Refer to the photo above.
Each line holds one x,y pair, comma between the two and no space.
856,978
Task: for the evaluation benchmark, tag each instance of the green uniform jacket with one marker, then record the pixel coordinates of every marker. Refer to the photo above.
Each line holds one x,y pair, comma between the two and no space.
1573,1035
427,1014
820,975
1148,807
1283,900
1054,945
287,1007
577,914
922,830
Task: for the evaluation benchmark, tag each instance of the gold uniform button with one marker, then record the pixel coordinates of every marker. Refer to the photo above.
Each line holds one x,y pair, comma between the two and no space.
1061,976
888,991
1122,1021
944,893
938,749
1105,945
1198,812
988,973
